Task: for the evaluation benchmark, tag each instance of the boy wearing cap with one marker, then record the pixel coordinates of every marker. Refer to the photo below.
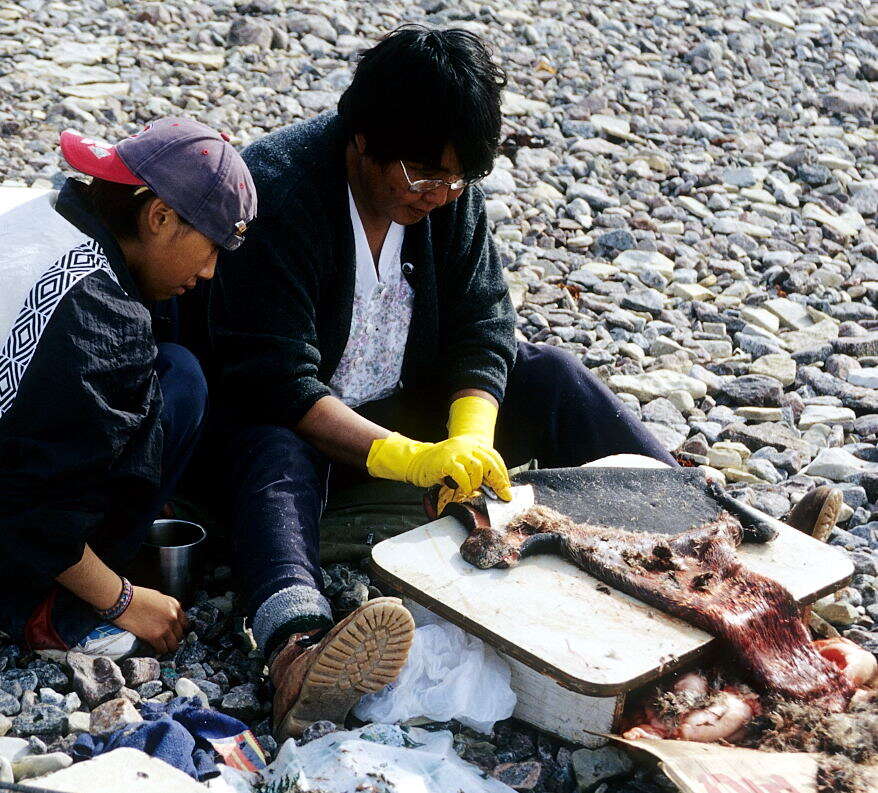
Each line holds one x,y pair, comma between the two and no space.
97,422
366,322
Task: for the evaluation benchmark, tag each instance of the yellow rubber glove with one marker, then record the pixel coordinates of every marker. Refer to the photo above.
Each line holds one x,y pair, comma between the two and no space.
466,460
391,457
472,415
474,418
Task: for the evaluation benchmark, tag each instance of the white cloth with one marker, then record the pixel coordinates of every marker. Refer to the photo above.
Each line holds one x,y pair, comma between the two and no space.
42,257
371,364
33,236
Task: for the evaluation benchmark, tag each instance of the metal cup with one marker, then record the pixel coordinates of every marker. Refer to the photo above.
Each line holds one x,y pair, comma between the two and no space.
169,557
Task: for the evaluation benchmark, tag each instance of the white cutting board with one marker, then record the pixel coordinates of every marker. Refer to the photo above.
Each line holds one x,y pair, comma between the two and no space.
549,614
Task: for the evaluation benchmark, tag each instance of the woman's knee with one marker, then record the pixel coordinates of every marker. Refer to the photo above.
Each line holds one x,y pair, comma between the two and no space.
260,454
543,364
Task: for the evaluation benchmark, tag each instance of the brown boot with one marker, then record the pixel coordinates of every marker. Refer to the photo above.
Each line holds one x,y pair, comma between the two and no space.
360,655
817,512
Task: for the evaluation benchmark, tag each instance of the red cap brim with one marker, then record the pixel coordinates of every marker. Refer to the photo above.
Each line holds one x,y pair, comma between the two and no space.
96,158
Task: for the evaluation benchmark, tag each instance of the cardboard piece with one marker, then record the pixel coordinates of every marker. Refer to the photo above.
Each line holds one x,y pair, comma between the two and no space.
709,768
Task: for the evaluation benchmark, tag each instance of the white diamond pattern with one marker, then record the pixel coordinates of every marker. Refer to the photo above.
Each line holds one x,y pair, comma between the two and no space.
42,300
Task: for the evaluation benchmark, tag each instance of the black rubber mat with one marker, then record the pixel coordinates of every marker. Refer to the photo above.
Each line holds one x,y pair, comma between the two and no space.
662,500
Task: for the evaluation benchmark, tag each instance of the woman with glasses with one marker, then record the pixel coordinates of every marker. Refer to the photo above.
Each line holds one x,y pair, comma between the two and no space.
365,324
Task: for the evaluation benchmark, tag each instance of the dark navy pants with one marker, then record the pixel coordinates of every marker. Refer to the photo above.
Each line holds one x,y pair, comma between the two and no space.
184,407
554,411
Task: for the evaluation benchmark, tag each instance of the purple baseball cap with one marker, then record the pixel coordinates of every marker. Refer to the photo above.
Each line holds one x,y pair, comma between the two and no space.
192,168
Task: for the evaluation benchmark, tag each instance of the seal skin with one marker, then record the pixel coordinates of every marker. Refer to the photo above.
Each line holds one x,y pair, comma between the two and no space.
694,575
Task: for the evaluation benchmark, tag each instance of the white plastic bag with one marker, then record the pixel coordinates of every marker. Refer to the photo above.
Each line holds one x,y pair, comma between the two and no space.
449,675
375,757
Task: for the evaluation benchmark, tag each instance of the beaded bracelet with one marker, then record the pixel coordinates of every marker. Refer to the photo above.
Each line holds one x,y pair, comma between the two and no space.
122,603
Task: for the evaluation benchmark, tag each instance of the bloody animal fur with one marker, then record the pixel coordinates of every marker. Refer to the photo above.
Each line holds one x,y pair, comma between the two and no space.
796,727
694,575
839,775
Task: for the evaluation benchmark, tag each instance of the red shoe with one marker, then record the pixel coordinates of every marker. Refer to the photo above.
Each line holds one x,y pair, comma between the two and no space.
105,640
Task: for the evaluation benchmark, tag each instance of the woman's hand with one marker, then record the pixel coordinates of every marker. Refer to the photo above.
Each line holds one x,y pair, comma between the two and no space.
156,618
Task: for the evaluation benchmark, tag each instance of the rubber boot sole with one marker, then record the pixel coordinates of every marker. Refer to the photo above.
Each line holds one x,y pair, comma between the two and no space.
366,654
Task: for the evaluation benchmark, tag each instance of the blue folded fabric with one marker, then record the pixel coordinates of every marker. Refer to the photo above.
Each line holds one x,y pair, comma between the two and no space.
179,732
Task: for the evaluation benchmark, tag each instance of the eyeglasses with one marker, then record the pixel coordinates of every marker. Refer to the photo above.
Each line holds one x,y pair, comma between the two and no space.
428,185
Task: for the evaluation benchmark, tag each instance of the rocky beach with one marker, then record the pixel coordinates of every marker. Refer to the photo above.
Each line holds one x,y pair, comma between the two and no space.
685,199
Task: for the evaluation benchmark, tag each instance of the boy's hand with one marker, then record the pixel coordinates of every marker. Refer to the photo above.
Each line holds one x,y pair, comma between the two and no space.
156,618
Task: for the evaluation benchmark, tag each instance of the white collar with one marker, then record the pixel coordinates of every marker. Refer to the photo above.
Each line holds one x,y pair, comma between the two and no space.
388,258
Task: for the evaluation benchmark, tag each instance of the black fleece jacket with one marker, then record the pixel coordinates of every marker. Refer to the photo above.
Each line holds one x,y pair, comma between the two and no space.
281,304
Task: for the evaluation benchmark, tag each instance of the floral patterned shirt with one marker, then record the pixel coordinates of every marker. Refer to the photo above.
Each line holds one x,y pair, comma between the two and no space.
371,364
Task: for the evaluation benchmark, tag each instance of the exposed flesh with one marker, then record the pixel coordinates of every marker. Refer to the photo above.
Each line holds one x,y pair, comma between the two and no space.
858,665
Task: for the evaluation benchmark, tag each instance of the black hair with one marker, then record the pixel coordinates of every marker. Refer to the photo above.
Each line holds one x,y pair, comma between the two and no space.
119,205
418,90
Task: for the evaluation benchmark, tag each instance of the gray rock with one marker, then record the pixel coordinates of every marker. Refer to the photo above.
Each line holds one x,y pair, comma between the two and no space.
648,300
49,674
854,397
96,680
51,697
212,691
594,196
839,613
519,776
39,765
595,766
744,177
670,438
864,563
137,671
150,689
866,426
498,181
317,730
841,366
813,175
764,470
41,720
242,702
839,465
245,30
756,436
789,461
753,389
865,201
662,411
187,688
857,346
17,681
774,504
191,651
9,705
757,346
849,101
72,702
614,241
708,51
113,714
